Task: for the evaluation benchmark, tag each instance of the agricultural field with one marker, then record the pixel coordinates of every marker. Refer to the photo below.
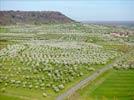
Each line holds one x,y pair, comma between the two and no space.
40,62
116,84
113,85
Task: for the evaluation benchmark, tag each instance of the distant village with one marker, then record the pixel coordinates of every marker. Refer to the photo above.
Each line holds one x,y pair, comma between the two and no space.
120,34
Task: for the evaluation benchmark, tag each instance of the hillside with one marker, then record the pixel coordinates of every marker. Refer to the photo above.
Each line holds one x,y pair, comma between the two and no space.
32,17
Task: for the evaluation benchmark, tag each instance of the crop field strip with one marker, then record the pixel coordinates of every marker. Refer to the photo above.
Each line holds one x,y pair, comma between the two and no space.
119,84
114,84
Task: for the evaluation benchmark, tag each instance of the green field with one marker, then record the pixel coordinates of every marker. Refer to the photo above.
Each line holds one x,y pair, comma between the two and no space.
40,62
113,85
5,97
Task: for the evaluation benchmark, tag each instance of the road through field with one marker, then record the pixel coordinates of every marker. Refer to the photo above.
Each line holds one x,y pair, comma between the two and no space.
88,79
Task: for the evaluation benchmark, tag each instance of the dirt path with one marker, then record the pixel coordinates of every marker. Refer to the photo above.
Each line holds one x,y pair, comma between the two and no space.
88,80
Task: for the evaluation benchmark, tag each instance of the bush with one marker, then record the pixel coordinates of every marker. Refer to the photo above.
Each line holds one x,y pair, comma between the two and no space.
56,89
30,86
36,87
44,95
61,86
91,69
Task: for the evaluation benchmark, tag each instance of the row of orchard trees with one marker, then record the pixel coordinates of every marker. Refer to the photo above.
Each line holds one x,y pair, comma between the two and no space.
41,53
127,62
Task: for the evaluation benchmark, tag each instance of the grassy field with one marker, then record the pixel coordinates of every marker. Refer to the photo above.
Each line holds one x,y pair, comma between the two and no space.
5,97
42,61
113,85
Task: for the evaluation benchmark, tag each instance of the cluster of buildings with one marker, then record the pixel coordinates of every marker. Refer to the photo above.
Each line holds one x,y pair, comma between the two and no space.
119,34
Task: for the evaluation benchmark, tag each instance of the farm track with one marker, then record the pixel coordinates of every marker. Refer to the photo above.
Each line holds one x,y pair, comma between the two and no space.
89,79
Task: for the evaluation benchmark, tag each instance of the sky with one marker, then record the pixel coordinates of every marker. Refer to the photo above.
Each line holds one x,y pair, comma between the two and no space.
80,10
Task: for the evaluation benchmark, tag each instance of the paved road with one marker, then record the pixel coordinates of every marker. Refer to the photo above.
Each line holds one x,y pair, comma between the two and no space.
87,80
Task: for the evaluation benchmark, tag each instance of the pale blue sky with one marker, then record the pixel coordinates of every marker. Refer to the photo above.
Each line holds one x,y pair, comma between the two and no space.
88,10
